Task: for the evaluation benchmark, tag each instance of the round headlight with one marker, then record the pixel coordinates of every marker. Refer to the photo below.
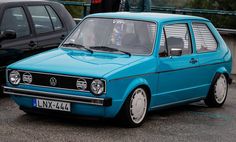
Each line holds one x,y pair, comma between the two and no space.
97,87
81,84
14,77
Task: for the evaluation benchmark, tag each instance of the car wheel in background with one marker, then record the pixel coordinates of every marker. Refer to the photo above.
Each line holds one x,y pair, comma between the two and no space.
218,91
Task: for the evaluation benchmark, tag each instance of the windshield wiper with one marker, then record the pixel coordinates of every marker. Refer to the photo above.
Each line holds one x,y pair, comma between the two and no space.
106,48
77,46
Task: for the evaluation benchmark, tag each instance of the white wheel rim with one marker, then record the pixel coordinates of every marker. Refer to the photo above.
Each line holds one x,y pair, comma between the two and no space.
220,89
138,105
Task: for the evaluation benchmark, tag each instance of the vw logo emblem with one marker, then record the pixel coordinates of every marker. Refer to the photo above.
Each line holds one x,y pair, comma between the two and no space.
53,81
27,78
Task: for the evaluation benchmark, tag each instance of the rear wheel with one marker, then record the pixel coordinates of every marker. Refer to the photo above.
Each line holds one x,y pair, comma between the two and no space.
218,91
135,108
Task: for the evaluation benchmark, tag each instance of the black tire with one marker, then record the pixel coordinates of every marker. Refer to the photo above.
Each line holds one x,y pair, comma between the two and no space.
28,111
211,99
126,115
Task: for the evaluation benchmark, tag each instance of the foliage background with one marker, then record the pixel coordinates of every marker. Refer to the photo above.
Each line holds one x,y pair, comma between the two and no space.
75,11
220,21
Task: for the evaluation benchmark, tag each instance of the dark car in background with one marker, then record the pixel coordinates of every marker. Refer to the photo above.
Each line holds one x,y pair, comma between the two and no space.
28,27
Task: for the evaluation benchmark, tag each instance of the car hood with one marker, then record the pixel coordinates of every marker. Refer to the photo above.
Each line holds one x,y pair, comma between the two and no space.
75,62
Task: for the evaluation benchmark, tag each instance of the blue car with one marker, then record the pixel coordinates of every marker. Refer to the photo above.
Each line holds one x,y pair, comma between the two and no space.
125,64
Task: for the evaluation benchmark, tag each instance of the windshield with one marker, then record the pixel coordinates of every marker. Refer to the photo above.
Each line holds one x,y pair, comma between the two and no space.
127,36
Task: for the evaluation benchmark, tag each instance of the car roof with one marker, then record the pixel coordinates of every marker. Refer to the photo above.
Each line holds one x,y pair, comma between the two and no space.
148,16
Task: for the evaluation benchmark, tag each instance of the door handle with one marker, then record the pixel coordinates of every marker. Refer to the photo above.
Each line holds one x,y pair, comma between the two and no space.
62,37
193,61
32,43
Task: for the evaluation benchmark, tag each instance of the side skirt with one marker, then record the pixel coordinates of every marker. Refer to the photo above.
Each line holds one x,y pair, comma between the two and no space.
177,103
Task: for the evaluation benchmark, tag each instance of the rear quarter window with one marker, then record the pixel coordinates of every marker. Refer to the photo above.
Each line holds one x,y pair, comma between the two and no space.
205,40
55,19
41,19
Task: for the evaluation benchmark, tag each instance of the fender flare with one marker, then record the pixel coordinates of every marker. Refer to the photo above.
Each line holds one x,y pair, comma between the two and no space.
222,70
134,84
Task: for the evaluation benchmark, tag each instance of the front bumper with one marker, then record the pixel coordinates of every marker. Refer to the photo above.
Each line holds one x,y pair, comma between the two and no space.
57,96
2,75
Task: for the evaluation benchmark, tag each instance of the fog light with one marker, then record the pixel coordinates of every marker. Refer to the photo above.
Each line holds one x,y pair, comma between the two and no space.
81,84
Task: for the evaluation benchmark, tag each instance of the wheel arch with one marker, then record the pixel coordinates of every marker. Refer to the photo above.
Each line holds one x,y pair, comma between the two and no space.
136,83
210,98
224,71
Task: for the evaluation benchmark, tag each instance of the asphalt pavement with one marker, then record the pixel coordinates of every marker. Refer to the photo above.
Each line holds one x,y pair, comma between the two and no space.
193,122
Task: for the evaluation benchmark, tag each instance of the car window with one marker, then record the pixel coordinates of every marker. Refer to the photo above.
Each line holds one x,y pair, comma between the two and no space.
205,41
177,36
55,19
135,37
41,19
151,29
15,19
163,52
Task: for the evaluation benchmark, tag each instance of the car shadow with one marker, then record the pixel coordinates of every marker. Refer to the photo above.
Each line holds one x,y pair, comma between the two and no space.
66,120
79,121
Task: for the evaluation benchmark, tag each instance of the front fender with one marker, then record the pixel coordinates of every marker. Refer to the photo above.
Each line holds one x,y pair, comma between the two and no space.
134,84
128,85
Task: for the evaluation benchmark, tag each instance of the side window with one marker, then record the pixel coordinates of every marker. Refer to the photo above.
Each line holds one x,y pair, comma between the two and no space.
152,28
15,19
177,36
163,52
41,19
55,19
205,41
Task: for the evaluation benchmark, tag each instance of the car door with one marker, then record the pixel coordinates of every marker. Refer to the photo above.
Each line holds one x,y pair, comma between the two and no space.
208,52
49,29
177,74
15,19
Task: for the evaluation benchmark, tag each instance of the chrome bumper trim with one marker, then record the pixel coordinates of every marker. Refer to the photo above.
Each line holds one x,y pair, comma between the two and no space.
57,96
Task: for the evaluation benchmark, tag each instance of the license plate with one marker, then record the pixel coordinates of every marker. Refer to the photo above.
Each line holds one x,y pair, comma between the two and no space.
52,105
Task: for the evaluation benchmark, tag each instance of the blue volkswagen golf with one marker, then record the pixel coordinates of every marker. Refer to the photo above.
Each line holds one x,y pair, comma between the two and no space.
125,64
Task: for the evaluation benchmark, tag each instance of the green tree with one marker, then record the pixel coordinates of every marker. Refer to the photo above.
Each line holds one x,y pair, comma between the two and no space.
221,21
75,11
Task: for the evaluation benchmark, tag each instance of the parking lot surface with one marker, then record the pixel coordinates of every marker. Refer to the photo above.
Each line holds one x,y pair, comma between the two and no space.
194,122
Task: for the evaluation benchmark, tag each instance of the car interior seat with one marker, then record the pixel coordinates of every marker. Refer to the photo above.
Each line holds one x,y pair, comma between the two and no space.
175,42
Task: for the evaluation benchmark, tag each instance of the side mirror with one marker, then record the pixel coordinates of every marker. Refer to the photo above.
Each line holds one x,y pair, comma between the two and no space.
176,52
8,34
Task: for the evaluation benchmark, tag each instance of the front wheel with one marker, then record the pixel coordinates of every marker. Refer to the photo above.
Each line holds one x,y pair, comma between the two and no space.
218,91
135,108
